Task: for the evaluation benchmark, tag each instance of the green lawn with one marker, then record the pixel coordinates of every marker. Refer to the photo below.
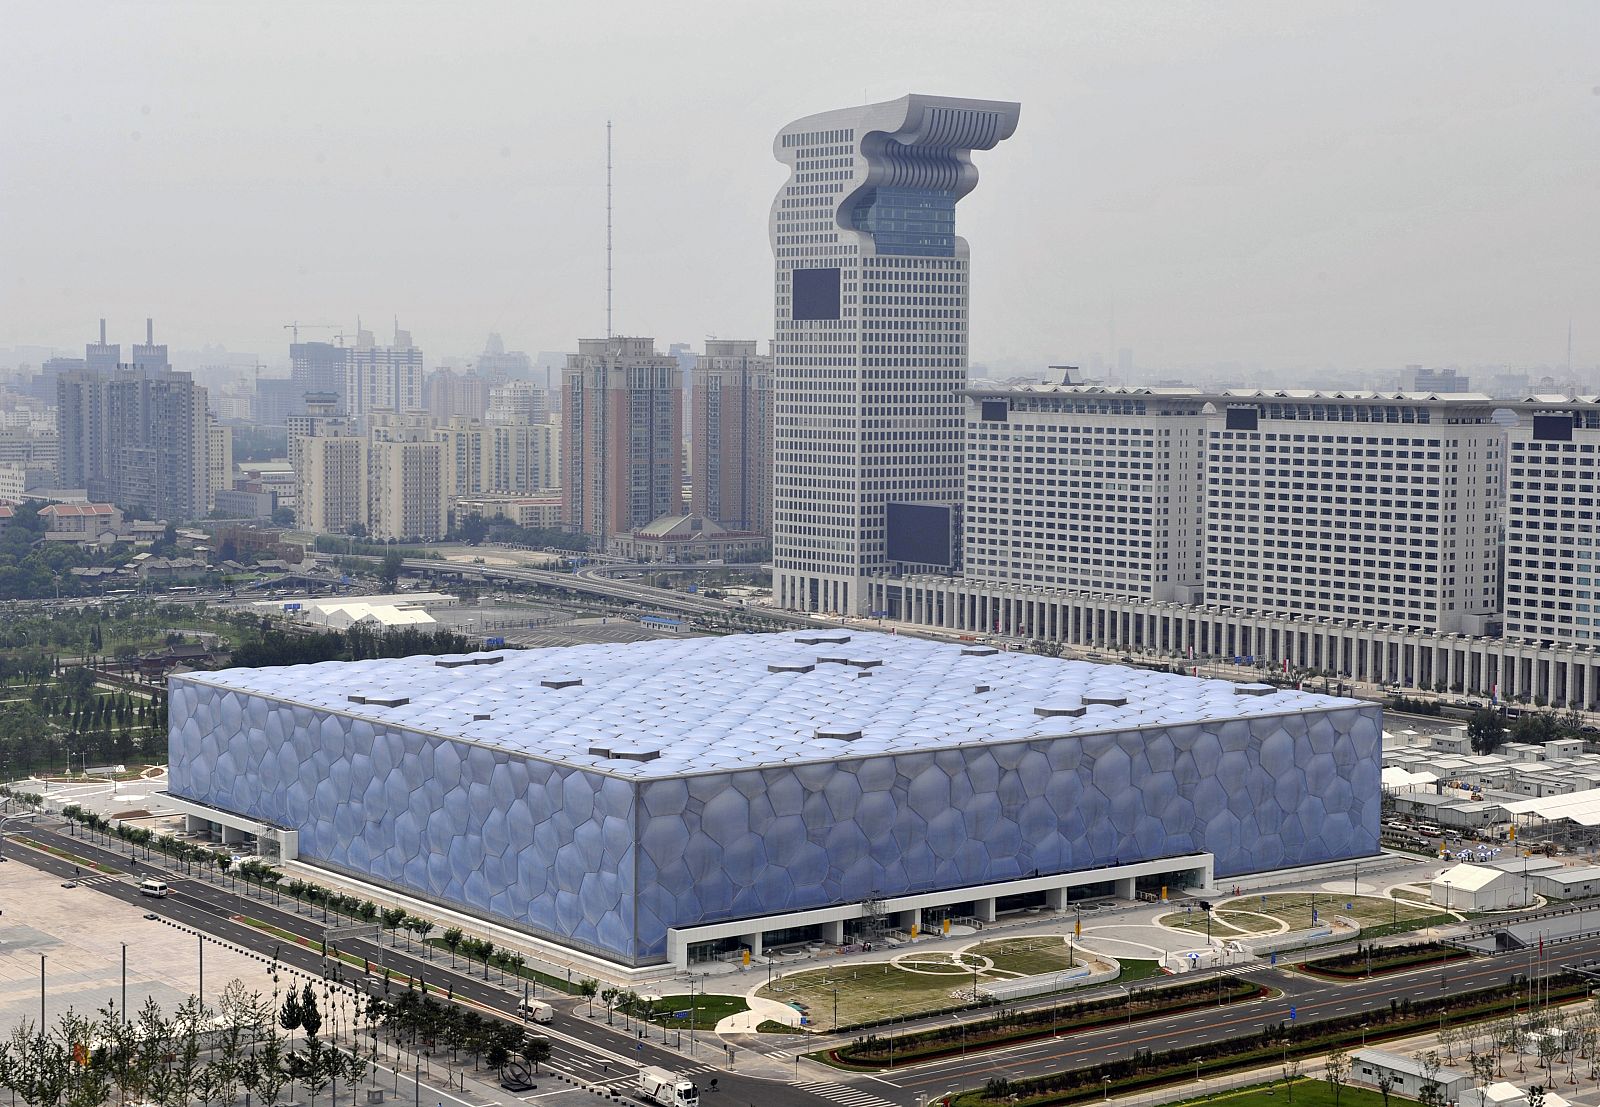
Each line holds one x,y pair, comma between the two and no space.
867,992
1134,968
1028,956
708,1010
881,991
1303,1093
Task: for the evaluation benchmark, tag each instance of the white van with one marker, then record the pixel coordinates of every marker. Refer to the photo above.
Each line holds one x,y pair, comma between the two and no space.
535,1010
153,888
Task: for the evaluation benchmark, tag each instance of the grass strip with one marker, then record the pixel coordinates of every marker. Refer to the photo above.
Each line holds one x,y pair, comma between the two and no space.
65,855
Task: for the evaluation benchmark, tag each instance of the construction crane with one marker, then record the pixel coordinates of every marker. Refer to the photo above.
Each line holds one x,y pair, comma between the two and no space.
294,328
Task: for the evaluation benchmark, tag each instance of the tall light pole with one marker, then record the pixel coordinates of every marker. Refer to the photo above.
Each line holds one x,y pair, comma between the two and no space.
124,983
41,996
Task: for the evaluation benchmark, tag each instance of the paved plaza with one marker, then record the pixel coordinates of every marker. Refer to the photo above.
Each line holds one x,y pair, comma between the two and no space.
81,934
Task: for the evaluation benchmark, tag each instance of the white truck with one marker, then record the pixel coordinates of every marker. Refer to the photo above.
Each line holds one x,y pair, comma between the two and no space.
535,1010
667,1089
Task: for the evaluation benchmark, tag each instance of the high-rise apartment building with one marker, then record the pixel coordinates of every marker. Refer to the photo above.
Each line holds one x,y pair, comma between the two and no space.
495,458
518,401
36,451
1381,508
319,367
1552,560
496,365
80,428
277,401
621,437
158,446
448,394
102,357
219,458
1086,488
383,378
139,438
329,456
731,440
406,479
150,357
870,356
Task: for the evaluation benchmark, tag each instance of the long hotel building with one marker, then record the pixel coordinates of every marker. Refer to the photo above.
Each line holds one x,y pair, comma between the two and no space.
1357,535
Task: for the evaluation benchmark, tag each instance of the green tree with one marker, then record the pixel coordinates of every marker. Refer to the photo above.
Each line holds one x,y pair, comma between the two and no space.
1336,1070
1486,731
390,572
1536,727
535,1050
452,941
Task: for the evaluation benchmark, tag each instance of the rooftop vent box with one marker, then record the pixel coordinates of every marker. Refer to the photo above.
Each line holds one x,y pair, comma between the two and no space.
381,701
608,753
1254,689
818,640
1106,700
865,662
1059,711
978,651
482,718
459,662
979,689
839,733
797,667
562,682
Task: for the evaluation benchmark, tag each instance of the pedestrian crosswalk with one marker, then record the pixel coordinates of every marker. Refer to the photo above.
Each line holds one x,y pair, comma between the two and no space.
840,1093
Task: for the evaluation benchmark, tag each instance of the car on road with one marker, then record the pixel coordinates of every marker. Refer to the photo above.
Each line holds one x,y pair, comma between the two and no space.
69,883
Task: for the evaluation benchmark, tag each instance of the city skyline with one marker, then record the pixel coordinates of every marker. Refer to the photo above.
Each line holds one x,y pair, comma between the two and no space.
1340,220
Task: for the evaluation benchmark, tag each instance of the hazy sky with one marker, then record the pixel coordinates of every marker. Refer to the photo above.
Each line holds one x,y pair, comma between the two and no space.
1294,184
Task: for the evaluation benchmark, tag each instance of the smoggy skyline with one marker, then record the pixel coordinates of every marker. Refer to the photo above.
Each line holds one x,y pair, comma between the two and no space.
1351,184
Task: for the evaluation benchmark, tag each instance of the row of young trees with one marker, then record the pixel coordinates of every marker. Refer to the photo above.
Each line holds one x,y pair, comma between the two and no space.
196,1054
422,1019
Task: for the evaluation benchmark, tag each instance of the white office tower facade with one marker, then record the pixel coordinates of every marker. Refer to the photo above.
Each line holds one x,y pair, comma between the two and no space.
518,402
384,378
1378,508
870,354
1552,587
1087,488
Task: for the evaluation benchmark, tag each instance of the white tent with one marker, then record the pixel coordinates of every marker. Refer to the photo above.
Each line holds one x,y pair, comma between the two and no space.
1475,888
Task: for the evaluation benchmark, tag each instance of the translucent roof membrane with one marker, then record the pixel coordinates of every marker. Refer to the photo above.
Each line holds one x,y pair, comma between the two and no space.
664,708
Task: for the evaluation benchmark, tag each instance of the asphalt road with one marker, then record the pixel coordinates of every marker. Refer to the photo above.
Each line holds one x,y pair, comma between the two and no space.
588,1049
585,1048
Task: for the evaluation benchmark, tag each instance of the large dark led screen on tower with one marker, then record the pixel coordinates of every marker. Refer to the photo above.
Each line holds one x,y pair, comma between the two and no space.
816,294
1553,428
918,533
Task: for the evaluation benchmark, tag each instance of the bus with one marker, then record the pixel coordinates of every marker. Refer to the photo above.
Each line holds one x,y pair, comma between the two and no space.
153,888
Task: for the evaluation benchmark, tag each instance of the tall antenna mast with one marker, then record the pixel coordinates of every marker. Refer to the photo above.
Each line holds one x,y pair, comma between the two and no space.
608,228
